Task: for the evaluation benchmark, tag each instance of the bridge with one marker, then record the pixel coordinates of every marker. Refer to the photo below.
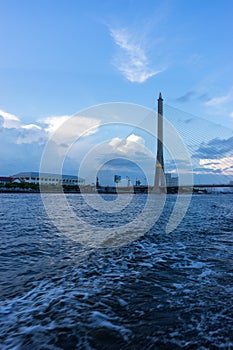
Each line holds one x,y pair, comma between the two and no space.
202,186
214,185
182,188
195,187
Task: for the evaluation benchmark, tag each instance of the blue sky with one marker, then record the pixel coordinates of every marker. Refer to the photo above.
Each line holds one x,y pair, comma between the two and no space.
60,57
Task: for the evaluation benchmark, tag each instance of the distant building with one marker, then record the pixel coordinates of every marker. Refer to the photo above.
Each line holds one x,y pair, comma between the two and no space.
5,179
48,179
171,180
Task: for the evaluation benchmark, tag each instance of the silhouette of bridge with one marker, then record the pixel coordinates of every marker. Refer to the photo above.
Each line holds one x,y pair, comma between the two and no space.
213,185
195,187
202,186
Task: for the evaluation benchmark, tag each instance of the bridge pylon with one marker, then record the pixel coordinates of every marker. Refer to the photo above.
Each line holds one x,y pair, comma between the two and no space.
159,179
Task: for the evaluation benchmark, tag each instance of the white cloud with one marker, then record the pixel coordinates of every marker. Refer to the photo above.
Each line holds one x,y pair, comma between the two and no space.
224,165
218,101
16,136
136,138
28,133
132,61
66,129
19,132
129,146
54,122
31,133
231,114
31,127
9,120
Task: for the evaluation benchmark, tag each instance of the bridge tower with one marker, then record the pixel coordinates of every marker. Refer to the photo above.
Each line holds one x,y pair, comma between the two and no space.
159,180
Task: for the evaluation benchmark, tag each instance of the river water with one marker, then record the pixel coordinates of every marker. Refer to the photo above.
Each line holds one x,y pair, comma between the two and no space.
161,291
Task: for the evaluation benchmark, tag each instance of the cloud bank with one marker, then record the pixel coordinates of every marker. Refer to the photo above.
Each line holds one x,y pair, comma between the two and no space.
215,149
22,145
215,156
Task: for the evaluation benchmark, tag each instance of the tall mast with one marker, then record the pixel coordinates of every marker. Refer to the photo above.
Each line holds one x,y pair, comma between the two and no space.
159,170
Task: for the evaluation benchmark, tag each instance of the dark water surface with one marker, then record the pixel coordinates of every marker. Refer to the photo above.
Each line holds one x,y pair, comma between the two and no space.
162,291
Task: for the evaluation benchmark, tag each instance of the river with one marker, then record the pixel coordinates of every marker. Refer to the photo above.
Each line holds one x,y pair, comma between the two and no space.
160,291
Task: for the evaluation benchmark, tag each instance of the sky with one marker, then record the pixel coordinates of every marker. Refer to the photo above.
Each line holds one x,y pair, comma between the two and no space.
59,58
